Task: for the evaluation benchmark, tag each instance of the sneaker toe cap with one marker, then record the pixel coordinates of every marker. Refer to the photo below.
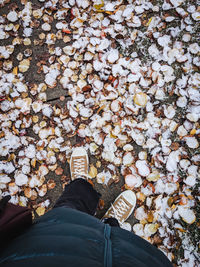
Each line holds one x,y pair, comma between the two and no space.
130,197
79,151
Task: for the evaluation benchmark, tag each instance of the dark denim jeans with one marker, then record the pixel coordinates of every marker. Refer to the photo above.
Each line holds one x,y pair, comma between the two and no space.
81,195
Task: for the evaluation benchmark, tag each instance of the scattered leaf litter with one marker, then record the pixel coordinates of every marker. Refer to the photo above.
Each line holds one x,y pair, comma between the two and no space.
131,69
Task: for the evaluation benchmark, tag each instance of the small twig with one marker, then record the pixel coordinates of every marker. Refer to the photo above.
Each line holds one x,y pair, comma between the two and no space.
56,98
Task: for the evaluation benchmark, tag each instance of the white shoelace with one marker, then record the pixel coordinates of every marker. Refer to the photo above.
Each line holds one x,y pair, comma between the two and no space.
119,210
79,166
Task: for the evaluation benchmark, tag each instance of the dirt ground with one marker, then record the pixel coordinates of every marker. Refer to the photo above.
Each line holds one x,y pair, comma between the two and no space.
53,97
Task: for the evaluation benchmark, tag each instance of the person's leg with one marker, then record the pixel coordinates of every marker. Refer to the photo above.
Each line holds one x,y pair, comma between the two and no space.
111,221
80,195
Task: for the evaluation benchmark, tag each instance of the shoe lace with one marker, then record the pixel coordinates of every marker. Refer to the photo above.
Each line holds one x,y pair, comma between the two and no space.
79,167
119,209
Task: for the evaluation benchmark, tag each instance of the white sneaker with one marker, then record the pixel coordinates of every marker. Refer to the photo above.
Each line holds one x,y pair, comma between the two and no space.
79,163
122,207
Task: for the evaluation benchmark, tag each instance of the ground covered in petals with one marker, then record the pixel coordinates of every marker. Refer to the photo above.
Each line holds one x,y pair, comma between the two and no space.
120,78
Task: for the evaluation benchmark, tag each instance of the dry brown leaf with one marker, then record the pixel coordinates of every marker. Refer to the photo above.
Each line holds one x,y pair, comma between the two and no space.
28,192
175,146
59,171
101,204
51,184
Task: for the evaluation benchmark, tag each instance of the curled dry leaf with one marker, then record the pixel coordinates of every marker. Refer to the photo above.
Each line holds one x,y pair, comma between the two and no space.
101,204
59,171
28,192
51,184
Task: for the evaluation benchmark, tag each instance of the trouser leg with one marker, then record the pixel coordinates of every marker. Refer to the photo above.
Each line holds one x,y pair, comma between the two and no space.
80,195
112,222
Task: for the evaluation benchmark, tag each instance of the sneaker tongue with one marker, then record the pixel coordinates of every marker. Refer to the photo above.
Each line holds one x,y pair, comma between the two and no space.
80,175
79,166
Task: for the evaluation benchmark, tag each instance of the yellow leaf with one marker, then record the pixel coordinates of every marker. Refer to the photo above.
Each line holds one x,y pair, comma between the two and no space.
144,221
140,99
33,163
40,211
126,187
15,130
100,11
173,206
80,20
11,157
98,164
150,217
112,135
92,171
98,7
153,227
35,119
193,131
15,70
24,65
149,21
21,204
